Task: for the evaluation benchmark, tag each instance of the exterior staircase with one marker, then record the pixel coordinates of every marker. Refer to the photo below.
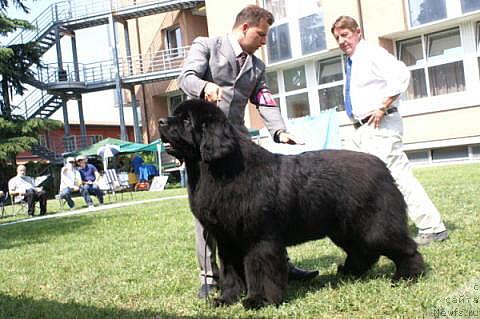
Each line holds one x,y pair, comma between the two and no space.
45,153
52,83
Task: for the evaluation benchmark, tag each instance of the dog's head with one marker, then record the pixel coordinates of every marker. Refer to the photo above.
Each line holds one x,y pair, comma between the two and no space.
197,130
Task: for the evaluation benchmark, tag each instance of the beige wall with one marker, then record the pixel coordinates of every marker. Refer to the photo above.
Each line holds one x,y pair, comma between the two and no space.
382,17
222,14
451,124
331,11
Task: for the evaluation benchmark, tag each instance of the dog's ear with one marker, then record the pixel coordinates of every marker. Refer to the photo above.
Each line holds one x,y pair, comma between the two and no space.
217,140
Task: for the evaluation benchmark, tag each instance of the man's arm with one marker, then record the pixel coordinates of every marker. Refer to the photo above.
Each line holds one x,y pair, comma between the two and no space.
191,79
270,113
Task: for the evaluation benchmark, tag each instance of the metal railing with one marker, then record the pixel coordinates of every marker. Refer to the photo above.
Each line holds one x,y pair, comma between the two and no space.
70,143
67,11
153,64
105,71
32,102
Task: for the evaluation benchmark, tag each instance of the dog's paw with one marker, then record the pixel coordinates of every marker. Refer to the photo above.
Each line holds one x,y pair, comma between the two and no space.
255,302
219,302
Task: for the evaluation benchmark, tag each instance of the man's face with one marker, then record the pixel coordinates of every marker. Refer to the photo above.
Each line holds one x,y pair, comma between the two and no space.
21,170
81,163
347,39
254,36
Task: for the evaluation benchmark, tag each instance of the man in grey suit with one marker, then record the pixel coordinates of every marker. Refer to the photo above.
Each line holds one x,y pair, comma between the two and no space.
224,70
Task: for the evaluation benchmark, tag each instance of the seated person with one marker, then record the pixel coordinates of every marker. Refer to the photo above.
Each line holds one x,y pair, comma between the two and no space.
137,161
70,181
90,176
22,187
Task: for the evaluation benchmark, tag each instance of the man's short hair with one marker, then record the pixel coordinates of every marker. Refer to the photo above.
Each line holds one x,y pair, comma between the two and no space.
345,22
253,15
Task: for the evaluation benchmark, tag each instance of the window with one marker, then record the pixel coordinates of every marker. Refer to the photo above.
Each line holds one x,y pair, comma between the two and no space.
470,5
478,45
279,43
450,153
312,33
424,11
449,77
42,140
297,105
272,82
427,11
277,8
475,151
173,40
174,101
92,139
294,78
297,33
420,156
330,80
437,57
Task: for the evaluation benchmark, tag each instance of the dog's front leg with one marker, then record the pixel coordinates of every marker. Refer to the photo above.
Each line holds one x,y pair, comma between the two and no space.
266,275
232,282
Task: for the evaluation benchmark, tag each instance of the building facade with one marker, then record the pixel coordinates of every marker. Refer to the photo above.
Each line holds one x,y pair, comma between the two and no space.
438,40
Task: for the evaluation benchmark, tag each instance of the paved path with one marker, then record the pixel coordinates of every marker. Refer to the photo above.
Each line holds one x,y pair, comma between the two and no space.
91,210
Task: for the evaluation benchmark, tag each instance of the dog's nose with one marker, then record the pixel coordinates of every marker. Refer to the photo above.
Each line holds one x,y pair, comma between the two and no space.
163,122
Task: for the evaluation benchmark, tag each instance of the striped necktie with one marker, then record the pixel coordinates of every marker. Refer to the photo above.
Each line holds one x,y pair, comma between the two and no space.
241,58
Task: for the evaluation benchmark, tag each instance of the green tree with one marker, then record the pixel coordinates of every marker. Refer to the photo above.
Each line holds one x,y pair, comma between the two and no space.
16,133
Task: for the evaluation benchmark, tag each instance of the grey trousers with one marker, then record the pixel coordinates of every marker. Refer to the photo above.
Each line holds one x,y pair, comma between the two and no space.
206,248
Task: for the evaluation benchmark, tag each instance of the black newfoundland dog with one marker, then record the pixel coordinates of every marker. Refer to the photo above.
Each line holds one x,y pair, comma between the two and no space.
256,203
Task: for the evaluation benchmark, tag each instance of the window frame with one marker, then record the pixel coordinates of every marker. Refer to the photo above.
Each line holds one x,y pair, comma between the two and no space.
320,86
429,62
292,19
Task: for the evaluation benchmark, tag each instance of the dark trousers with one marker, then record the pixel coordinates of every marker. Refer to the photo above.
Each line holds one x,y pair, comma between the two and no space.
32,196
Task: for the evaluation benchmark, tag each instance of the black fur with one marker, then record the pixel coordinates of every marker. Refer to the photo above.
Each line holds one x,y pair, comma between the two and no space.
256,203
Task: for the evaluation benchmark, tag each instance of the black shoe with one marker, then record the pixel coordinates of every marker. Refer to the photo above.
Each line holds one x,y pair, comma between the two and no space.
295,273
205,290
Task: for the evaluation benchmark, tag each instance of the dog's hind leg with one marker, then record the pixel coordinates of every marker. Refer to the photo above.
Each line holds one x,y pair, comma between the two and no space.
232,284
359,261
266,275
408,261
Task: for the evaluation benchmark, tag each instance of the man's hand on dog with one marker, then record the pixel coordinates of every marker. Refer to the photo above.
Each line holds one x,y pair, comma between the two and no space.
288,138
212,92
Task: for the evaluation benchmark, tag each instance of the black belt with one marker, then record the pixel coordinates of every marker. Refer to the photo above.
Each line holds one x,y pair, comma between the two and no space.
358,123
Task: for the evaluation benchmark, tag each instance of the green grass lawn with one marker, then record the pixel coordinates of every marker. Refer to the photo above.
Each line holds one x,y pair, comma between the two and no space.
139,262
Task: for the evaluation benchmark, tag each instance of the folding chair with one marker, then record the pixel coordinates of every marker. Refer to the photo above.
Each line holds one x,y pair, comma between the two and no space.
3,200
115,184
19,206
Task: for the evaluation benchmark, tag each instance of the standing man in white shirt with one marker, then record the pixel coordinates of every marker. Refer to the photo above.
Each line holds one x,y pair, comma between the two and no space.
23,187
373,82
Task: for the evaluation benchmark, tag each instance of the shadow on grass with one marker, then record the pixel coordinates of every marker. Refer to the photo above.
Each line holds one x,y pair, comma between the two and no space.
27,307
39,232
329,279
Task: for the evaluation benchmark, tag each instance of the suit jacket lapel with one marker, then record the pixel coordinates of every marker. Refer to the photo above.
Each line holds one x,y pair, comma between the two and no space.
226,50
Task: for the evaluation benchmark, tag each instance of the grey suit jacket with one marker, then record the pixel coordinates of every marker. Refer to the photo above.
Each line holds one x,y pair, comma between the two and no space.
213,60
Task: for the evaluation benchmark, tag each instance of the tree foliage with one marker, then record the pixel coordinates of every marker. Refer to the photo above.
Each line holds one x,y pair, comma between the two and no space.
16,133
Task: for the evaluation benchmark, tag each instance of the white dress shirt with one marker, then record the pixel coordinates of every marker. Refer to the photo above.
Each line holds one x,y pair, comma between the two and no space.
20,184
70,177
376,75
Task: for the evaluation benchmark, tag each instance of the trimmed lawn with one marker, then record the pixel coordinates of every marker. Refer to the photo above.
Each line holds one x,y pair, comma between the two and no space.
139,262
